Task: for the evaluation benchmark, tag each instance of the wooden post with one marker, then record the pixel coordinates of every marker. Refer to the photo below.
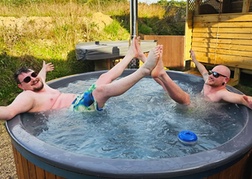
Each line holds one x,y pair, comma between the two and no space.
236,79
245,6
105,64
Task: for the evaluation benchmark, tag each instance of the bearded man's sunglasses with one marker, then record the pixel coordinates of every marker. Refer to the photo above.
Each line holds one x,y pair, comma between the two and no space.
28,78
215,74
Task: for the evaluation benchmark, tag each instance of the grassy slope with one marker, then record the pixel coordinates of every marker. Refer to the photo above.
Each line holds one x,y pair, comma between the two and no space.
51,37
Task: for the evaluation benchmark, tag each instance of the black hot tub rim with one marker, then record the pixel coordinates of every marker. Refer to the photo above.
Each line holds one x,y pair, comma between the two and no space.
200,164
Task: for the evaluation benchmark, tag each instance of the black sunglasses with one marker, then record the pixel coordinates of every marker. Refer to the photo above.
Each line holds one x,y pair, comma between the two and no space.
215,74
28,78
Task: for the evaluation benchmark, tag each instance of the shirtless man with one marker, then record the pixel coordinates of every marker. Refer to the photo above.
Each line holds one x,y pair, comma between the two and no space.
214,88
37,96
162,78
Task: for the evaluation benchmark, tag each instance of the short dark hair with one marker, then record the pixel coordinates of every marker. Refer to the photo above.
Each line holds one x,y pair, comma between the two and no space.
19,71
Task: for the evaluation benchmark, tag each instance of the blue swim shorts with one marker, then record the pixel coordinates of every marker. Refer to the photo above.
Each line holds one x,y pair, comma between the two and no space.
85,102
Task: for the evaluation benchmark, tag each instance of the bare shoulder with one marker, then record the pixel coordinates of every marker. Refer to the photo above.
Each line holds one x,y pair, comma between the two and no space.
25,96
25,93
217,95
24,102
229,96
223,92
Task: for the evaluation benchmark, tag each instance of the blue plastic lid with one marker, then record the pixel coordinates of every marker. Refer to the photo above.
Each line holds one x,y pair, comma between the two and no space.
187,137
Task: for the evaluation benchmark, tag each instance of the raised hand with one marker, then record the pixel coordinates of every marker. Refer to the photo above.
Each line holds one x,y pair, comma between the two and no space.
48,66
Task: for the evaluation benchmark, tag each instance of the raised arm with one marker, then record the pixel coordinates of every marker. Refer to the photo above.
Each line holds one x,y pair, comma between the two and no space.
202,69
45,68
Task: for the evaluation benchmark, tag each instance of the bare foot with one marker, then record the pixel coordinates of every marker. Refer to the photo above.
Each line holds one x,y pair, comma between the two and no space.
152,59
139,54
135,50
132,51
159,69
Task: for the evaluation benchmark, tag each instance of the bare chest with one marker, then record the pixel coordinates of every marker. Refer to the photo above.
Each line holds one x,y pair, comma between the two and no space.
210,94
45,101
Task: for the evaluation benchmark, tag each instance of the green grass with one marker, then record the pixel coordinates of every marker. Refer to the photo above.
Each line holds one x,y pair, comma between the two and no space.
38,30
34,32
49,30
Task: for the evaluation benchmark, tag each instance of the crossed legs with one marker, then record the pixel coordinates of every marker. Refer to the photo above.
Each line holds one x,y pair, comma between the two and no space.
162,78
107,87
174,91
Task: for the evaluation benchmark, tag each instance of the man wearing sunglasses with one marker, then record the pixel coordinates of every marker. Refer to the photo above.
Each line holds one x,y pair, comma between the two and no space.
214,88
37,96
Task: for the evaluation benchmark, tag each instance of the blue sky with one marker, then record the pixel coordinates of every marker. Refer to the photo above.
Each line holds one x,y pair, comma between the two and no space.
148,1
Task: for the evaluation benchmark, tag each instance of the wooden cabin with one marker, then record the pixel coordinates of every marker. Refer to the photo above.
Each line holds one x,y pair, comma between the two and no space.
220,32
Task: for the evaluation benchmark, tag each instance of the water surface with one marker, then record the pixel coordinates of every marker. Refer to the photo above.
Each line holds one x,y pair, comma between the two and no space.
143,123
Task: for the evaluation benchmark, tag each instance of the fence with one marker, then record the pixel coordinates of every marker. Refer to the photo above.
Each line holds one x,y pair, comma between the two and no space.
173,47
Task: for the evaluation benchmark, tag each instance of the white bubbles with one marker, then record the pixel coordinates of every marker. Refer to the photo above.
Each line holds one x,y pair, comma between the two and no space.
143,123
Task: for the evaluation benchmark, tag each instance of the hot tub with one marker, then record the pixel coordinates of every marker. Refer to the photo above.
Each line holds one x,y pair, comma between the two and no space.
37,159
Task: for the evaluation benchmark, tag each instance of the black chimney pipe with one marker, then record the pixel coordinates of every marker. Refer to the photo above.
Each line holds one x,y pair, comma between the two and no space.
133,18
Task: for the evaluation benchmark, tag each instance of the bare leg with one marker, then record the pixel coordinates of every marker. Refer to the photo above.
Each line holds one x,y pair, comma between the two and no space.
117,70
104,91
175,92
162,78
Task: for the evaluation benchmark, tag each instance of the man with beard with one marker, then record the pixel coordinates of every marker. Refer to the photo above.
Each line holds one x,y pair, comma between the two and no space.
214,88
37,96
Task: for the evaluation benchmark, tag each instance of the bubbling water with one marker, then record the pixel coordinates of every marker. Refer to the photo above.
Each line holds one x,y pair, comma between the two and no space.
143,123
